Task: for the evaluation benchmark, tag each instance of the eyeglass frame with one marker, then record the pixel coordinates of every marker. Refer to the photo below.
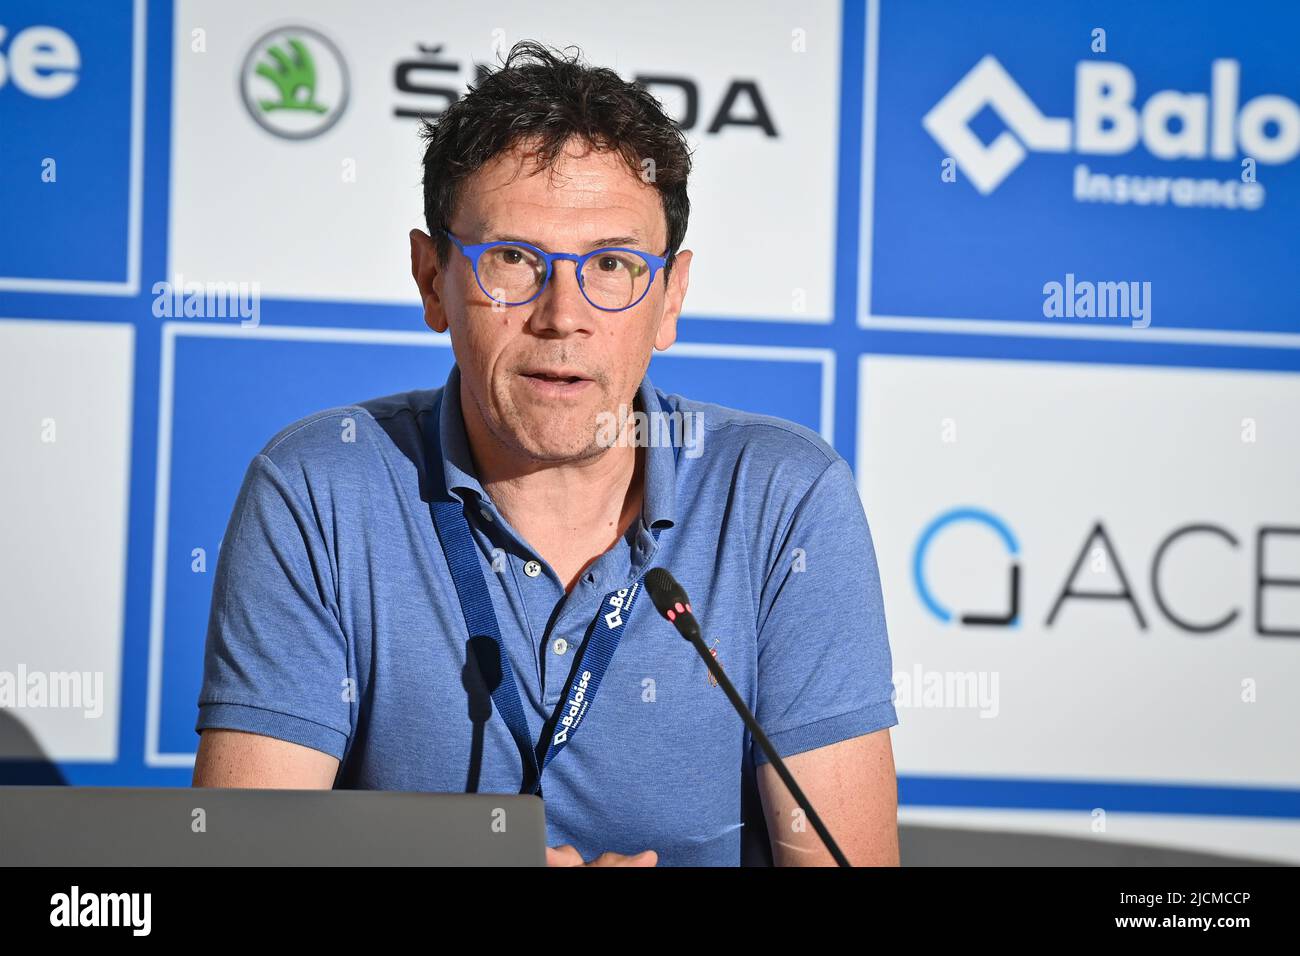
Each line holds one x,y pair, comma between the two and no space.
475,251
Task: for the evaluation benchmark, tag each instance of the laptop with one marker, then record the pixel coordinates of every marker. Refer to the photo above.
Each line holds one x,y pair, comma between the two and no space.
181,826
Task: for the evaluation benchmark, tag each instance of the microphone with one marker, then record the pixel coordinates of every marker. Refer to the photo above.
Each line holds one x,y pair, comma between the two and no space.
671,601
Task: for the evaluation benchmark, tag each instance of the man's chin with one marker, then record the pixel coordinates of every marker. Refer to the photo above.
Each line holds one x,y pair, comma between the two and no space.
549,441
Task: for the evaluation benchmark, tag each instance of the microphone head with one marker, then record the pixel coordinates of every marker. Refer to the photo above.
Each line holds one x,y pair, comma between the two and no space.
670,599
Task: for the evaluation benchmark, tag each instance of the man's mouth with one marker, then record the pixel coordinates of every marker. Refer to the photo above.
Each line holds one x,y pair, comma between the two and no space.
556,382
553,377
559,376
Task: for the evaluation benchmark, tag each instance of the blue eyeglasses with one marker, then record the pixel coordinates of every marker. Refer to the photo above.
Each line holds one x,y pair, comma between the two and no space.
515,273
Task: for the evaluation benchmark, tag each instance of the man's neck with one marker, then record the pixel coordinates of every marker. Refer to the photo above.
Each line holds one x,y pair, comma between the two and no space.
569,512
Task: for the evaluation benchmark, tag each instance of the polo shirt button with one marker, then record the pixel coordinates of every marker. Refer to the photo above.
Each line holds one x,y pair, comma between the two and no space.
532,569
487,515
560,645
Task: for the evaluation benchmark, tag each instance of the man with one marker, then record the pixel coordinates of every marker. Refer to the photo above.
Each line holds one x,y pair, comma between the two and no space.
339,653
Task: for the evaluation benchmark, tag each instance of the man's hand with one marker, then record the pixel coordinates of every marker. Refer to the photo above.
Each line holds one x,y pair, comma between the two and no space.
569,856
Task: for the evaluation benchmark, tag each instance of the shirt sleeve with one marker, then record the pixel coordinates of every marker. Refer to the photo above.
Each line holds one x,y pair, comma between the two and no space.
276,658
824,664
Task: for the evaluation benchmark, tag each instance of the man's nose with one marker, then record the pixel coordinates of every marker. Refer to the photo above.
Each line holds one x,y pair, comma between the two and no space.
562,308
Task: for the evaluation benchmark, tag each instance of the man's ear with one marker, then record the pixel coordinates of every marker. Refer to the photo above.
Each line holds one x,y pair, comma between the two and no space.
424,269
674,298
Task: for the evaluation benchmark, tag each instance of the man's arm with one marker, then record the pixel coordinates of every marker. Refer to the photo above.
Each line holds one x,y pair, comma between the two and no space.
233,758
825,688
275,706
852,786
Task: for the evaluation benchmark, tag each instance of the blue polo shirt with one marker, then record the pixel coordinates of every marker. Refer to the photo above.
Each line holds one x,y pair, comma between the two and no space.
335,623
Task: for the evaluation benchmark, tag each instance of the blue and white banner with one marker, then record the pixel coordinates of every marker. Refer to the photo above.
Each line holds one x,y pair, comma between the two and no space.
1029,267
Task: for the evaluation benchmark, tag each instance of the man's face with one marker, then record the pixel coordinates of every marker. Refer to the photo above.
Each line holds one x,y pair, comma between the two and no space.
518,363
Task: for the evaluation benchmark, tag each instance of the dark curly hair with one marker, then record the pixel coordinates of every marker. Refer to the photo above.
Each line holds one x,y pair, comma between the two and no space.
538,93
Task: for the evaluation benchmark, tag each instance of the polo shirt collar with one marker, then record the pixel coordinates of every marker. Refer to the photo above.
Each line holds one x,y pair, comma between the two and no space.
659,503
457,462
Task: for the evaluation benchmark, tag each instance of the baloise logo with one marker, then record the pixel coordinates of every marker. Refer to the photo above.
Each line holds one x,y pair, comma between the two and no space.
1171,124
294,83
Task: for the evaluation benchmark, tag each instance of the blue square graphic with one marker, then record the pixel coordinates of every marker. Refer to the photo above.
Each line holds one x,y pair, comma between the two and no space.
65,141
946,249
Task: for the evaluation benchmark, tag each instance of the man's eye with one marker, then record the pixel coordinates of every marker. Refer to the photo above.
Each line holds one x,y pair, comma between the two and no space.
609,263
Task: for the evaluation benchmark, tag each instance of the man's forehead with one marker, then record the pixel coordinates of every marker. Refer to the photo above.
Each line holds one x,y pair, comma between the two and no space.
516,231
625,211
